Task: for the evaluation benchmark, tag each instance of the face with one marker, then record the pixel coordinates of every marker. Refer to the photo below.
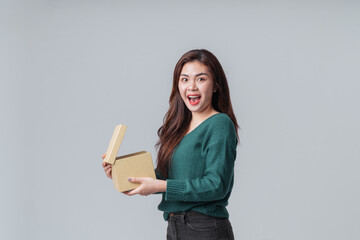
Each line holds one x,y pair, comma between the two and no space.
196,87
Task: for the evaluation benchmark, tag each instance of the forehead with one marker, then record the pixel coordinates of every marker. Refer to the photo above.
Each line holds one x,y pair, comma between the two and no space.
194,67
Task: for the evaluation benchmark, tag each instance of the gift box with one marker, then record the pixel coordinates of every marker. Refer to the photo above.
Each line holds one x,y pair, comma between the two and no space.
137,164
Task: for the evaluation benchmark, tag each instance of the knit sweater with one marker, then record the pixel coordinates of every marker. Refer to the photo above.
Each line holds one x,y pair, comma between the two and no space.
201,173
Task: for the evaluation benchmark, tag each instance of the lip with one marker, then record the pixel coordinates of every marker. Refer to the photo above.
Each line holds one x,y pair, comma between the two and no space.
191,95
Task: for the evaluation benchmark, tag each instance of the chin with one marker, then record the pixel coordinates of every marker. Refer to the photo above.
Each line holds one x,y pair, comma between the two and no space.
195,110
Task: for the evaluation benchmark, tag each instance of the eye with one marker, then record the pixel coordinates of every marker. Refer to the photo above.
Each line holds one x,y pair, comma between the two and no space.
184,79
201,79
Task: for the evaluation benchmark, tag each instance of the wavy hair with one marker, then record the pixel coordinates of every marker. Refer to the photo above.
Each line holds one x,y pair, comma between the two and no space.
177,119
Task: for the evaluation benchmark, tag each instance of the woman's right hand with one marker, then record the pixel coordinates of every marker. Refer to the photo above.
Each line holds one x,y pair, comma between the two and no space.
107,167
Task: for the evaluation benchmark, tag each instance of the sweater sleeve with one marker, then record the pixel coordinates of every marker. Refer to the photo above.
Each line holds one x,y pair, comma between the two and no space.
217,180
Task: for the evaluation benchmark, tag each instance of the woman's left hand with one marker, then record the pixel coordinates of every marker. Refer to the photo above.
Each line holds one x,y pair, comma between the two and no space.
147,186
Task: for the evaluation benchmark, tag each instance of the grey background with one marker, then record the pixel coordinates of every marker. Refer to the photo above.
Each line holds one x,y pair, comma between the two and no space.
72,70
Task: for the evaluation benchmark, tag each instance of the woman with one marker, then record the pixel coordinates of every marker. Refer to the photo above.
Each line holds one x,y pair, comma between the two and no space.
196,152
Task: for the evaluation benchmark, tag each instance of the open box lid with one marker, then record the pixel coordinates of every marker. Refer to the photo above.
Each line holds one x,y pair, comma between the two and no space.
115,143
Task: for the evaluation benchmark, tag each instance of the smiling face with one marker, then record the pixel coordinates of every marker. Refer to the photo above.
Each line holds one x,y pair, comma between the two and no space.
196,86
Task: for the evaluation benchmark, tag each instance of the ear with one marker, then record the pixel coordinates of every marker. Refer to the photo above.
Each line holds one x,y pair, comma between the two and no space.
215,88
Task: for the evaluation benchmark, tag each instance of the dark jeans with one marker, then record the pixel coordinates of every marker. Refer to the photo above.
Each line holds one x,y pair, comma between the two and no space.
194,225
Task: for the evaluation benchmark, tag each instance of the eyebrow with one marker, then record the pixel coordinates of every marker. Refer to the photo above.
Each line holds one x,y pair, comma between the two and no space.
199,74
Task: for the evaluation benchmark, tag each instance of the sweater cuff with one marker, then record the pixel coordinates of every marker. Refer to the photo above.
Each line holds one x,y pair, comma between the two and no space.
175,190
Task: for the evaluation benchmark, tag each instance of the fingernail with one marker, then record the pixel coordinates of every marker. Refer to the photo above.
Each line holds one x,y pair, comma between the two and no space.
129,179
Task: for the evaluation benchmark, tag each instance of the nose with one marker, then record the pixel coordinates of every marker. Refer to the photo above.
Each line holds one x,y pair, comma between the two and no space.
192,86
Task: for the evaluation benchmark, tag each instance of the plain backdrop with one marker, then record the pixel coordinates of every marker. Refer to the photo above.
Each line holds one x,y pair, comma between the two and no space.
71,70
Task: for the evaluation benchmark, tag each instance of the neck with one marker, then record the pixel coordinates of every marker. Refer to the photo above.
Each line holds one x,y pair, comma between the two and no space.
203,115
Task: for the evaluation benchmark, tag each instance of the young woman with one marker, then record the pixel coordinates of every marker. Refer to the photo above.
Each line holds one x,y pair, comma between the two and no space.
196,152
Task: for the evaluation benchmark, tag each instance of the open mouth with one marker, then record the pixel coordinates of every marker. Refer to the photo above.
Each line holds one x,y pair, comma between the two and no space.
194,99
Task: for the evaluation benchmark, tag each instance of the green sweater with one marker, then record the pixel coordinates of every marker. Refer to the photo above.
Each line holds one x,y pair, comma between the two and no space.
201,176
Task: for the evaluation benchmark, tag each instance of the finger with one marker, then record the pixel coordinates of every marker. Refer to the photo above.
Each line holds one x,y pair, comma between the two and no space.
103,156
135,179
126,193
105,164
133,192
108,173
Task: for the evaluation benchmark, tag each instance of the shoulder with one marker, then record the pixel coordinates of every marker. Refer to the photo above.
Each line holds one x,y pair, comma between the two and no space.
221,122
220,127
221,118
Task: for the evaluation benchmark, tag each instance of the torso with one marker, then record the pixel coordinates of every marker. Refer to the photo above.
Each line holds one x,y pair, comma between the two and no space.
207,152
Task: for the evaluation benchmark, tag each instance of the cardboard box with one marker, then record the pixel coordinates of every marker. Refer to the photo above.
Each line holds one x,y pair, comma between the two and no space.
137,164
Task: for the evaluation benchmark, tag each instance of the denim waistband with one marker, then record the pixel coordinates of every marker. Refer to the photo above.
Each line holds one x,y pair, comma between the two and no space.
188,214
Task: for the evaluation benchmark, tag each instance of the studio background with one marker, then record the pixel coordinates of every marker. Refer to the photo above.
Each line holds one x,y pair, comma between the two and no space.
72,70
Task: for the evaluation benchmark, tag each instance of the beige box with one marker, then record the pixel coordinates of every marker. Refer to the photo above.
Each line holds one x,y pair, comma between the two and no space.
137,164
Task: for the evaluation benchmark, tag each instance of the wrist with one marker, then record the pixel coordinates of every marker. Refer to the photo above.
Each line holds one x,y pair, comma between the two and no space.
162,186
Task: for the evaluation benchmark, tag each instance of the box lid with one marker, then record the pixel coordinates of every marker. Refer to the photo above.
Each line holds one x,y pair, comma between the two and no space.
115,143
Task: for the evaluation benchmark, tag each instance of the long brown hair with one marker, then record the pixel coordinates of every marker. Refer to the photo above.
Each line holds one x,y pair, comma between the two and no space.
178,117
